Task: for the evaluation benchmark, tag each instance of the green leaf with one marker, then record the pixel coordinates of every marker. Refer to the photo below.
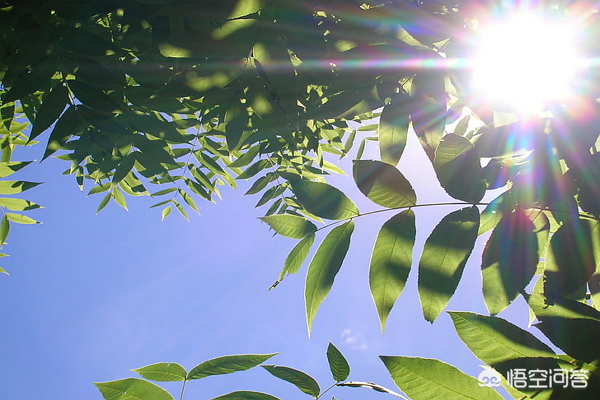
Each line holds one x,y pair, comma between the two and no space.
324,266
294,260
3,271
578,337
572,257
20,219
383,184
246,7
337,363
444,258
189,201
17,204
165,212
163,372
93,97
119,198
236,121
509,260
254,169
4,229
104,202
324,200
259,185
563,308
164,191
132,389
391,261
290,226
494,340
8,168
246,395
458,169
426,379
227,365
124,168
69,124
52,107
181,210
245,158
301,380
393,129
13,187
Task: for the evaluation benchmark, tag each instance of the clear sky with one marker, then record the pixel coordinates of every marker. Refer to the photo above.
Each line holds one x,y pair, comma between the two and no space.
91,297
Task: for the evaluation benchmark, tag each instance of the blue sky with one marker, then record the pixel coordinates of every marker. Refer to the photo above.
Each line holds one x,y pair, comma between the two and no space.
91,297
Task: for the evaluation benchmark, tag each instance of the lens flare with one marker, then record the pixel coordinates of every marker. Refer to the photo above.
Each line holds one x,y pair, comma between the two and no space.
526,61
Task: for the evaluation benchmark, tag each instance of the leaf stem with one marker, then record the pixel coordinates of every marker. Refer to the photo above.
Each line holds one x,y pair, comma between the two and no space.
182,389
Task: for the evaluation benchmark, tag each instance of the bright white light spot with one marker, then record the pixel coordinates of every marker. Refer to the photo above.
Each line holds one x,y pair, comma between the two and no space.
524,62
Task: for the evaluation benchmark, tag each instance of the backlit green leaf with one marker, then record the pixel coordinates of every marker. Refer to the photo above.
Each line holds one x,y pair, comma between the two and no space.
337,363
163,372
393,129
227,365
426,379
294,260
324,266
324,200
383,184
301,380
119,198
165,212
290,226
583,345
21,219
509,260
391,261
8,168
13,187
4,229
444,257
17,204
104,202
246,395
132,389
494,340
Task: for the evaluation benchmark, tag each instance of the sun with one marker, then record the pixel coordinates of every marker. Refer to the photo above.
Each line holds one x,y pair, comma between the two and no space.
525,62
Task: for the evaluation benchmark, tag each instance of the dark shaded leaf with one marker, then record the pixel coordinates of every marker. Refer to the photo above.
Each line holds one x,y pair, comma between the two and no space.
571,258
337,363
509,260
458,169
578,337
52,107
444,258
301,380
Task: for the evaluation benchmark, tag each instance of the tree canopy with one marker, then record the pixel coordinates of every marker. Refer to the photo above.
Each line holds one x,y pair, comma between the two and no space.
175,98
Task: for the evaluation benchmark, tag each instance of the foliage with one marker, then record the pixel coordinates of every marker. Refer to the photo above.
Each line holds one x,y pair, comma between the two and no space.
184,97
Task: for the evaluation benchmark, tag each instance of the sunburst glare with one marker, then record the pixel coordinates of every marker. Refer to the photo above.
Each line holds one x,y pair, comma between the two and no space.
526,61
